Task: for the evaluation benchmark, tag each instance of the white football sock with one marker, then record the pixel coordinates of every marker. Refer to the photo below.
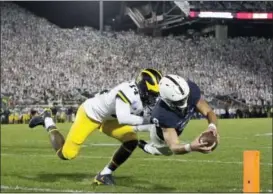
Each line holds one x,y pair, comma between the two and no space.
143,128
49,122
106,170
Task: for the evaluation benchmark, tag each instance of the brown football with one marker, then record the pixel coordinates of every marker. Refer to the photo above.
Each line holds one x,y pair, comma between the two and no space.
209,138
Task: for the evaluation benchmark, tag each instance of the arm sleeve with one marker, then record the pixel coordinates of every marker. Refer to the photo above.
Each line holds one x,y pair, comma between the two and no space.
124,115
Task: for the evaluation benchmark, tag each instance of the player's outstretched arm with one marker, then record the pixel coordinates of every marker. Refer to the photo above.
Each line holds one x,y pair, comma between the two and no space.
207,111
172,141
124,116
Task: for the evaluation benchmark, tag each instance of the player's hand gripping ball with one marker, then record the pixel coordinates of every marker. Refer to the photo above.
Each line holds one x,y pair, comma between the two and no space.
209,138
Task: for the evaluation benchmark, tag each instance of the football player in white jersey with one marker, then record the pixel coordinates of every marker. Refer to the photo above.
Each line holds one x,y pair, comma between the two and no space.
114,112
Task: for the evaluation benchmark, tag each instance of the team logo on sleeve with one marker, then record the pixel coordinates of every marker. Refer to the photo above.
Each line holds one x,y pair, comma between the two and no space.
155,121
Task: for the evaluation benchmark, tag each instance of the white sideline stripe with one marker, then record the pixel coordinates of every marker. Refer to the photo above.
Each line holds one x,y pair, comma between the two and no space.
146,159
39,189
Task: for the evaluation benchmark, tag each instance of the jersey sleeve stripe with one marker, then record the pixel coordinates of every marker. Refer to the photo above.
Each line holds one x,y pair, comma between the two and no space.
123,97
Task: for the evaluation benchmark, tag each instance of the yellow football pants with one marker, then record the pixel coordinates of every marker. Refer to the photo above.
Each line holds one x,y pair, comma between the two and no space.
122,133
83,126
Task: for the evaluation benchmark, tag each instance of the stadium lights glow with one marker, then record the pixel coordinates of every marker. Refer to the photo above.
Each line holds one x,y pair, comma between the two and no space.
230,15
246,15
210,14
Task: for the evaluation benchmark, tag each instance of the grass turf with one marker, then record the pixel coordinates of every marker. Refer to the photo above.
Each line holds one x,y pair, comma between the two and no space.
29,164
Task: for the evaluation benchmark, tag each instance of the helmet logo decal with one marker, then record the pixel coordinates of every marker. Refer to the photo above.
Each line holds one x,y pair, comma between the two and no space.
150,87
151,75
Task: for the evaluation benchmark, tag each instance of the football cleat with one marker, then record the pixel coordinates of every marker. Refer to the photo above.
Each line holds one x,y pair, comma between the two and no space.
106,179
141,145
39,120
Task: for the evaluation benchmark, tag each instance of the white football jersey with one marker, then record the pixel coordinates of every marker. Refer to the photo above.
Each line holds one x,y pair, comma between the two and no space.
103,105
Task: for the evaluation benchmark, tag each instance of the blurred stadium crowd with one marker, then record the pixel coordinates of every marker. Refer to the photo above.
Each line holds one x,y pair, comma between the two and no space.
42,63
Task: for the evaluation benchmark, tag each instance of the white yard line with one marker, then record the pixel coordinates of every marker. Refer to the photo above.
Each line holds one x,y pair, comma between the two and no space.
114,145
241,190
33,189
246,138
224,137
117,144
247,148
201,161
102,144
264,134
145,159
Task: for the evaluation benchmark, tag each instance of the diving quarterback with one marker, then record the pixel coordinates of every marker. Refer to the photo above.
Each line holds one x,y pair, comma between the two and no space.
114,112
179,100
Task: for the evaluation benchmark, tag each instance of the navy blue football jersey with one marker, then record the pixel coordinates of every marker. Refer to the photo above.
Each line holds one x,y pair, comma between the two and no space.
164,116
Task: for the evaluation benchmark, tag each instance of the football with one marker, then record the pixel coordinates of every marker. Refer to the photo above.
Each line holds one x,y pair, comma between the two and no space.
209,138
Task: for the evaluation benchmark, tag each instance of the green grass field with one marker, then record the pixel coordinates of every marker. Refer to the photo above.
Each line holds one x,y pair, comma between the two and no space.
29,164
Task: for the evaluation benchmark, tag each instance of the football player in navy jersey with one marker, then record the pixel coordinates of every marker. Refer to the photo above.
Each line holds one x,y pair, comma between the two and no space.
179,100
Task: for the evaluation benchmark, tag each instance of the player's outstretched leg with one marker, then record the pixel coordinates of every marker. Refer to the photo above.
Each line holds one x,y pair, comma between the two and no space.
69,148
56,138
128,137
119,157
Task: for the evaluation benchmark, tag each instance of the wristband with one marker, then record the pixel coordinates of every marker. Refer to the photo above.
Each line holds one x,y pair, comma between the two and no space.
213,126
187,147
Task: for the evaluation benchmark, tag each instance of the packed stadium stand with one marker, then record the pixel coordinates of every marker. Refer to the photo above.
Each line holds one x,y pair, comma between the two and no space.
41,62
